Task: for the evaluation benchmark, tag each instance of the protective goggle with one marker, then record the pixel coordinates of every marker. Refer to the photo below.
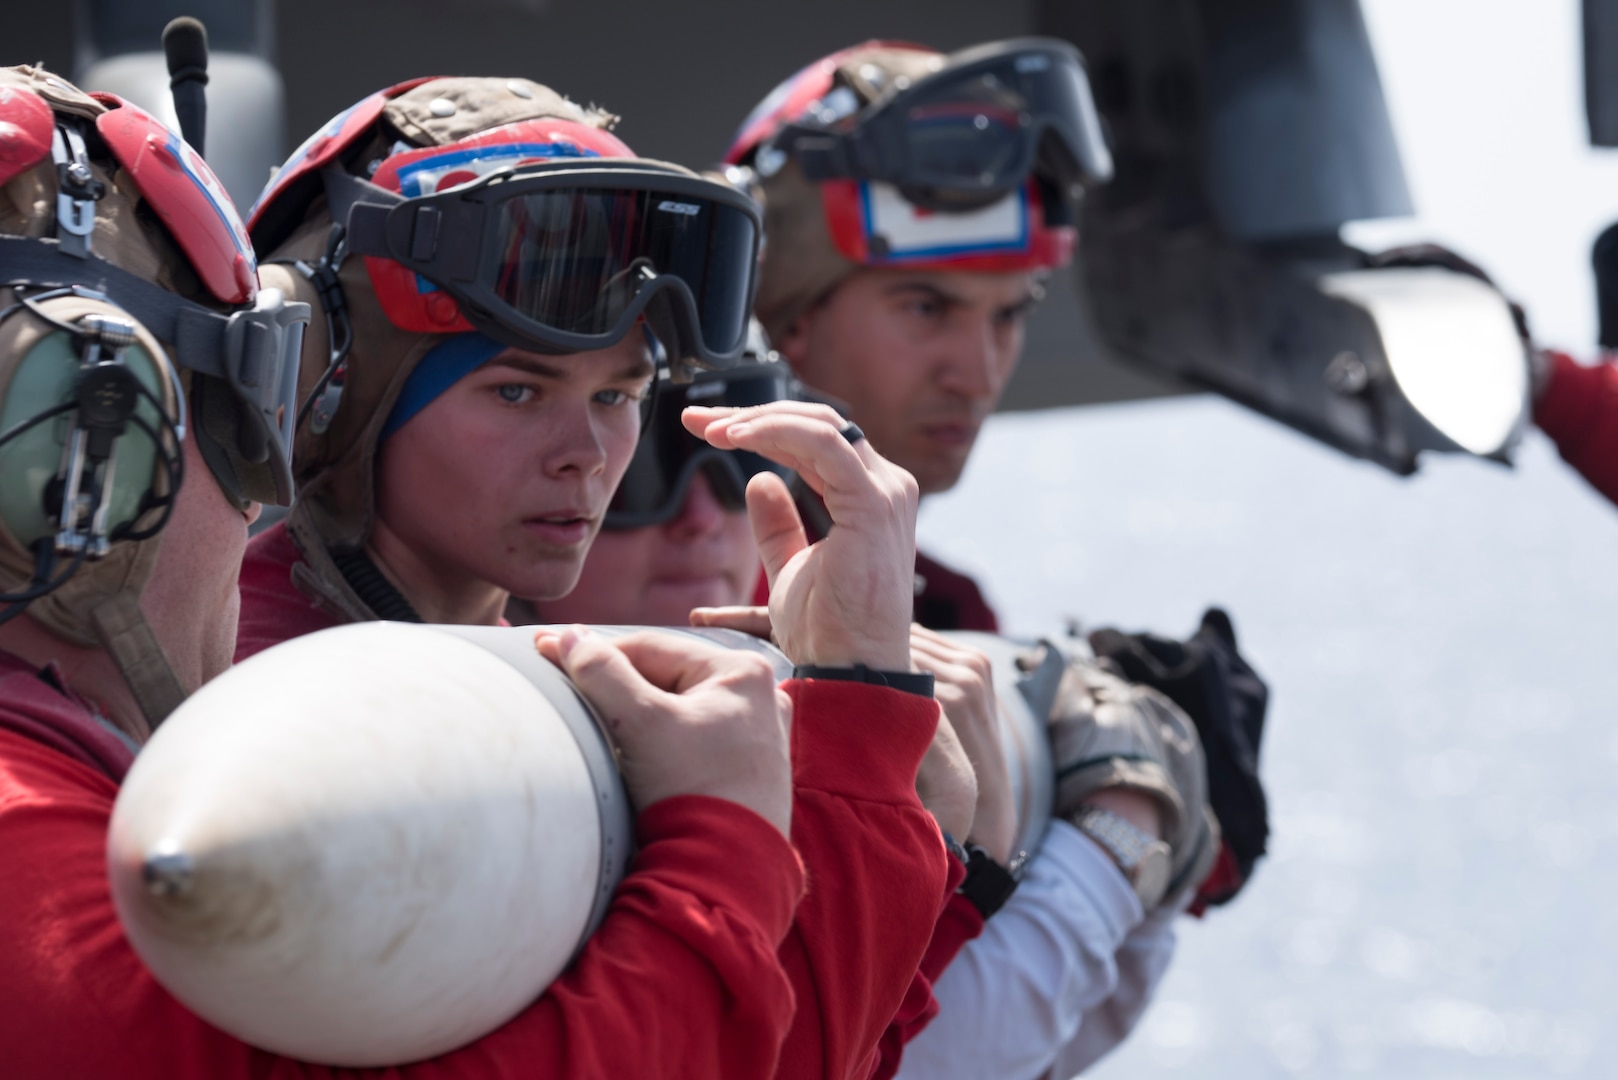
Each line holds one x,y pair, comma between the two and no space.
567,256
246,407
668,456
968,134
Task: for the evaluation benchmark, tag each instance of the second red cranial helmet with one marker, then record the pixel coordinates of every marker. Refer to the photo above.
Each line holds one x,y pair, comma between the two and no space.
891,154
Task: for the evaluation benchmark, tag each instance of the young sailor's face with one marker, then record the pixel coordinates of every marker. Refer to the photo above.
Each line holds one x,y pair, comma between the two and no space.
920,357
503,479
654,576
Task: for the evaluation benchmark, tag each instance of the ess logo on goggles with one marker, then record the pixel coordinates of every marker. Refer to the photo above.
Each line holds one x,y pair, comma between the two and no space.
566,255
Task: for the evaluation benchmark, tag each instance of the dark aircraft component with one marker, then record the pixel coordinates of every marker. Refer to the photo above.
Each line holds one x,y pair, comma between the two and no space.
1246,133
1601,70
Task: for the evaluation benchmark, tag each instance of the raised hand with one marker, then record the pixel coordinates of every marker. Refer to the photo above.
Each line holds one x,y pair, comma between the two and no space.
847,598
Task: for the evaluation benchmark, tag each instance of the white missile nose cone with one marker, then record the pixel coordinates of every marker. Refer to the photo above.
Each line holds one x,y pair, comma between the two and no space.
370,845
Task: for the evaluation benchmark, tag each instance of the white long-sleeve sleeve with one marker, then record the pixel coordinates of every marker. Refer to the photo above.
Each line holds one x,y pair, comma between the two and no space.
1058,977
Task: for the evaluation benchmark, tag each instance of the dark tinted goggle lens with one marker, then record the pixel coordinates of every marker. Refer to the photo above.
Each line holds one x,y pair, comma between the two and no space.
975,138
984,127
668,456
574,259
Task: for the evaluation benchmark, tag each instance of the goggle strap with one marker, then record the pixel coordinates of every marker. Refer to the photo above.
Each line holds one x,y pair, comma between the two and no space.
197,334
361,207
822,155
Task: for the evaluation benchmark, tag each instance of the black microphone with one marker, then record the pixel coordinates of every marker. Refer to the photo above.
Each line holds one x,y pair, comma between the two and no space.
185,44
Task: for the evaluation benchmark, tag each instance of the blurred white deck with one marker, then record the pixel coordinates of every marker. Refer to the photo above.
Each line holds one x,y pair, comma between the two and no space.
1442,753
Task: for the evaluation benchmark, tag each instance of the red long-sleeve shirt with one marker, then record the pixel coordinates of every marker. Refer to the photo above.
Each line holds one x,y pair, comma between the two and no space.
1578,409
876,867
683,975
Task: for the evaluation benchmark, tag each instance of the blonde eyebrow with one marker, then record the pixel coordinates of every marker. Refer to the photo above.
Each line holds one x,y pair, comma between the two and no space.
641,368
635,369
528,364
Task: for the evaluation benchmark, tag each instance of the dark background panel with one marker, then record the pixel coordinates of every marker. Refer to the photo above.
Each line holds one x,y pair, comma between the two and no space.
681,75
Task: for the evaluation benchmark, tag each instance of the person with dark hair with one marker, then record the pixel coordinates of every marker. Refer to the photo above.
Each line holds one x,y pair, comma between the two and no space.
914,203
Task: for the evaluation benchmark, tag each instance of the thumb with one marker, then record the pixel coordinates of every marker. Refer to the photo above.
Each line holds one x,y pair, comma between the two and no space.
747,619
601,672
777,528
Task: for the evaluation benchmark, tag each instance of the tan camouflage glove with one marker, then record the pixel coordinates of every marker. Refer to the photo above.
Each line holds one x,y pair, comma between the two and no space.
1107,733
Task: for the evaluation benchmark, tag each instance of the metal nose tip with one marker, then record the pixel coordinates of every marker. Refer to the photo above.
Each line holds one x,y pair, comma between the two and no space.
168,872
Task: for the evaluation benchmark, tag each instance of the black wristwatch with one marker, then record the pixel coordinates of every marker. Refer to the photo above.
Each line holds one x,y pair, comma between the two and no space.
911,682
988,885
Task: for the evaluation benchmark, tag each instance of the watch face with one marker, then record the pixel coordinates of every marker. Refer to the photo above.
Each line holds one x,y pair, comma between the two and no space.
1152,875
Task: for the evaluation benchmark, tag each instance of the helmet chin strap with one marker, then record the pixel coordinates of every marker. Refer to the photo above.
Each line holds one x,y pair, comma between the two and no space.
127,637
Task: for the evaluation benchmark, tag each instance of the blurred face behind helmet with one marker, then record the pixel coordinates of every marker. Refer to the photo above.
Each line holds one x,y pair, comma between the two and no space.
499,485
920,359
704,556
191,599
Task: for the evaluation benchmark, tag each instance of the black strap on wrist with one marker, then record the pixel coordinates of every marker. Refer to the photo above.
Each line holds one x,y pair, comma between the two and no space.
911,682
988,885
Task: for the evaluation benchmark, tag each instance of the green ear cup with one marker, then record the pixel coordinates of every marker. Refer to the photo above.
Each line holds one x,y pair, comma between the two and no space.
44,379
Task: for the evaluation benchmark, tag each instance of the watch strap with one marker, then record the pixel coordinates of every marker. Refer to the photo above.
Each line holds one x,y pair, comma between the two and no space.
911,682
989,885
1130,846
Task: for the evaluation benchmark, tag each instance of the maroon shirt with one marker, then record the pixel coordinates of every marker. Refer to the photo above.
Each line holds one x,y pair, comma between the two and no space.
1578,409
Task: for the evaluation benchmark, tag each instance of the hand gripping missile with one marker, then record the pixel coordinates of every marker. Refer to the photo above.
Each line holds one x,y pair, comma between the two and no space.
370,845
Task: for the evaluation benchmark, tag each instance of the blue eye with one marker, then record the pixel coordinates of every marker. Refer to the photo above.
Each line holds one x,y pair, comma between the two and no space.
513,393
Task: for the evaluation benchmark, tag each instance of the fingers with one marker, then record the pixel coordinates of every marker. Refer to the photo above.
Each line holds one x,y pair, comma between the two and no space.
713,422
602,672
805,437
666,662
747,619
777,528
950,661
945,782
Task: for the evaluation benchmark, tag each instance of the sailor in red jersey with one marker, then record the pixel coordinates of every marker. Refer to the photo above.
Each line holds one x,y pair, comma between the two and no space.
463,440
140,456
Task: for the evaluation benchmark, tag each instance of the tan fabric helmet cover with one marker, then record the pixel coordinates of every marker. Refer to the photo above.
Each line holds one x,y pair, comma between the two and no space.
801,265
335,470
28,208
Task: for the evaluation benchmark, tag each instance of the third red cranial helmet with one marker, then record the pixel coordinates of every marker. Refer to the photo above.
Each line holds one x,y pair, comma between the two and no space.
965,161
890,154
